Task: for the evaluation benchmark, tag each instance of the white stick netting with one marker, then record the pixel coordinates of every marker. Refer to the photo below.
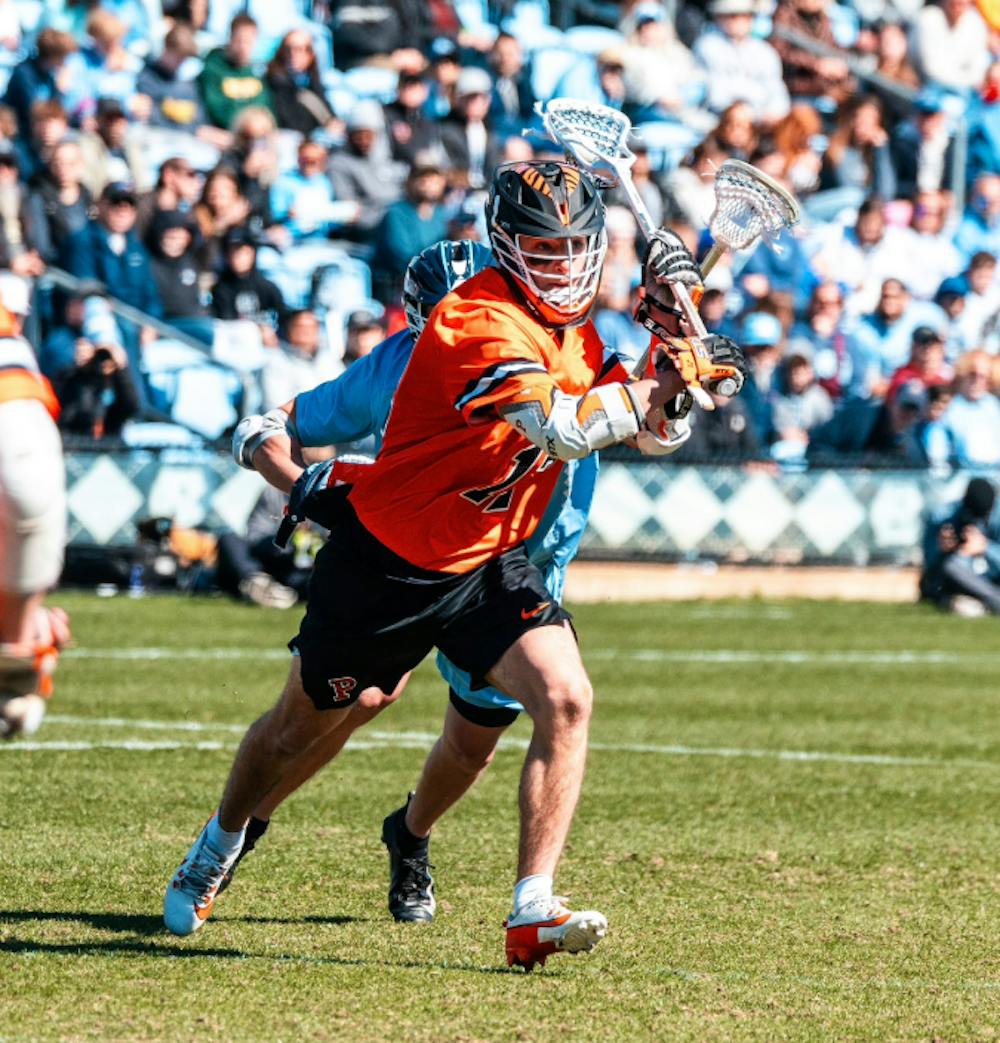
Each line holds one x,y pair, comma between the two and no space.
749,204
589,133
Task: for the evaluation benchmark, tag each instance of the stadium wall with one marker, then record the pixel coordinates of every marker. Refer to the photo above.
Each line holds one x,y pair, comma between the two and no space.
645,511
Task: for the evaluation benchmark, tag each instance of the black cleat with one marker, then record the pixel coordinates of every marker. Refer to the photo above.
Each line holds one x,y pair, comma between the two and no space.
411,886
256,828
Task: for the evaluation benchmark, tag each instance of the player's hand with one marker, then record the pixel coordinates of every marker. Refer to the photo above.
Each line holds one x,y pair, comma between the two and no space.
668,260
316,495
714,362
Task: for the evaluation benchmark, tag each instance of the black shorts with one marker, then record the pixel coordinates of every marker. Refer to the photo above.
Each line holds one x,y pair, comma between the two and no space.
373,616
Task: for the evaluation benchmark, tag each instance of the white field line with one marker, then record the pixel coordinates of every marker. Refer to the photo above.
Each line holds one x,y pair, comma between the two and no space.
375,740
902,657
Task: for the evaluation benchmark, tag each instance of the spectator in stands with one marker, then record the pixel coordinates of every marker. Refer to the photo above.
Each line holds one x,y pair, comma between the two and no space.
722,434
303,199
49,126
18,241
880,343
892,60
736,132
794,140
296,90
926,363
362,173
228,80
978,321
299,364
58,350
860,258
409,225
738,66
968,435
394,33
950,298
979,229
443,70
44,76
601,80
175,101
512,102
690,187
178,187
59,204
365,331
858,155
173,260
410,130
922,148
951,46
471,148
662,79
961,571
983,117
243,293
96,392
107,250
780,267
254,157
109,154
931,254
762,338
106,69
822,331
222,207
799,406
809,75
874,431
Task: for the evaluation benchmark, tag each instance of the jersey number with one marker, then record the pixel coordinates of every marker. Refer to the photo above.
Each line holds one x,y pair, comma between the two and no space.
496,498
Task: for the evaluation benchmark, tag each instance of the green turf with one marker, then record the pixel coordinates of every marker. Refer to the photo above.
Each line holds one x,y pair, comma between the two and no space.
750,896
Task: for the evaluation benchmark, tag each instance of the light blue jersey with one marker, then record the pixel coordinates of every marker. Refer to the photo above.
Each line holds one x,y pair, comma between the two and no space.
356,407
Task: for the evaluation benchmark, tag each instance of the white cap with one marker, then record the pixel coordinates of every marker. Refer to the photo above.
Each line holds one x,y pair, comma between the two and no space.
15,293
473,81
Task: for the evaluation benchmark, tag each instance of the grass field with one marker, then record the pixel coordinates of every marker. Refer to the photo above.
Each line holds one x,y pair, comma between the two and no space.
794,836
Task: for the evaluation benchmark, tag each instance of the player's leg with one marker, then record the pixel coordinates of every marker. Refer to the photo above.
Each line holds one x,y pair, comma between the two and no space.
456,761
545,670
272,743
307,764
32,540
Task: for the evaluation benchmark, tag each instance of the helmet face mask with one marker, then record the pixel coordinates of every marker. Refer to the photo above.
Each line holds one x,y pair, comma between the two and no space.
546,224
435,272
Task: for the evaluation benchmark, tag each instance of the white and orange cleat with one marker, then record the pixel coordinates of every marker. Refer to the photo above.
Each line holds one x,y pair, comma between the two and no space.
26,674
546,926
193,889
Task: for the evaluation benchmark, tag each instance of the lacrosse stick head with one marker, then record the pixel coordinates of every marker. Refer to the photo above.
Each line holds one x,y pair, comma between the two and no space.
749,205
594,137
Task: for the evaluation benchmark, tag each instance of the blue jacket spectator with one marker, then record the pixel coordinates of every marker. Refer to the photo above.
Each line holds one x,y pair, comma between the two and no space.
303,199
880,343
979,229
968,435
410,225
41,77
109,251
984,139
785,264
761,336
512,102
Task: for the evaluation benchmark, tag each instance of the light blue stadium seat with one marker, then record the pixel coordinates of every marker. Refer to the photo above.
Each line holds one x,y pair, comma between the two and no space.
667,143
534,35
292,270
369,81
160,144
342,285
548,66
338,92
845,24
592,39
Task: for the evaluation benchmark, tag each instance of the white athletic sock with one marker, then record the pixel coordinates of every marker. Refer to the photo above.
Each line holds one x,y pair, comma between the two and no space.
227,844
530,889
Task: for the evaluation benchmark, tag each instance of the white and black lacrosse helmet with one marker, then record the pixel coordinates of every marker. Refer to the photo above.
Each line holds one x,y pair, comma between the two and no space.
550,200
435,272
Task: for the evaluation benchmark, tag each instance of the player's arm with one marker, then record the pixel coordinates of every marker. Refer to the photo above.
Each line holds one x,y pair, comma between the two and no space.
268,444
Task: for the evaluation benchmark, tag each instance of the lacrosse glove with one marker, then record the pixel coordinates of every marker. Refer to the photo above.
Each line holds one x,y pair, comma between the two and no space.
315,495
667,261
715,362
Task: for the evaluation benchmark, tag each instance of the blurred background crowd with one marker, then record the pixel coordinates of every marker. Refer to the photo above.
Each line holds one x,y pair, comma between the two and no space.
207,206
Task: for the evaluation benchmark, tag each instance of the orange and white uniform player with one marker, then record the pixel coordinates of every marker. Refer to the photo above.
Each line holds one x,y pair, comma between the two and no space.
32,522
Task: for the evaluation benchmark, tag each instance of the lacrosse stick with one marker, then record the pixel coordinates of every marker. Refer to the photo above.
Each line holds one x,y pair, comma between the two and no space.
595,137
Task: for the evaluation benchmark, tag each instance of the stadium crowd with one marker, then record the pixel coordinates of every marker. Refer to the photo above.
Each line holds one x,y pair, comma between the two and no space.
258,179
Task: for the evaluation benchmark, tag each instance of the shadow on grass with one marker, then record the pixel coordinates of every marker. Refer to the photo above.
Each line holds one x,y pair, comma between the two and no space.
146,926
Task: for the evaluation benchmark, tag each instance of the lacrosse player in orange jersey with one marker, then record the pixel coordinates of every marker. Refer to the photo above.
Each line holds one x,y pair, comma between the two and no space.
32,523
506,382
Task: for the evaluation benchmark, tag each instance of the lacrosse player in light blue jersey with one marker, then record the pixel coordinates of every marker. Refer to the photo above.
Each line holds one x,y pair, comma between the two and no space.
353,407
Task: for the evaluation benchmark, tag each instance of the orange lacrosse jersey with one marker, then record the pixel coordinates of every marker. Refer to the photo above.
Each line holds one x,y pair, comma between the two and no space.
454,485
19,376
